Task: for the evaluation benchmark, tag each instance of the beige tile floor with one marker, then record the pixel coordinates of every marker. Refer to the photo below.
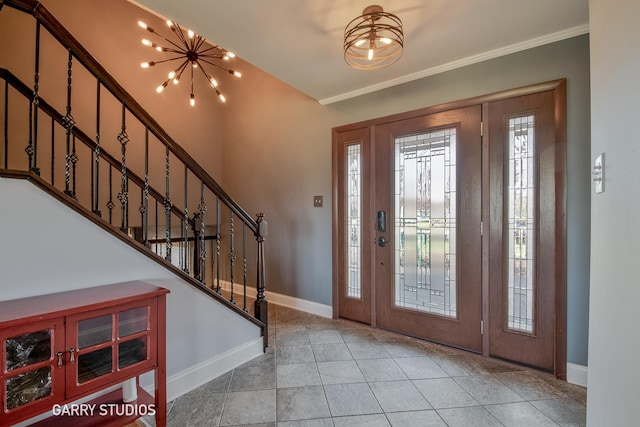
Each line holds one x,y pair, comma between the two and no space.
319,372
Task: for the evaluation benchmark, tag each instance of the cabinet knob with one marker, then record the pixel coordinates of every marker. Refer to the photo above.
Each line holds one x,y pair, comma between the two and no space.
72,359
59,354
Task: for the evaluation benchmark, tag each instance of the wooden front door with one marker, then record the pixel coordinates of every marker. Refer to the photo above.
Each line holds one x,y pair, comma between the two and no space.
428,211
449,225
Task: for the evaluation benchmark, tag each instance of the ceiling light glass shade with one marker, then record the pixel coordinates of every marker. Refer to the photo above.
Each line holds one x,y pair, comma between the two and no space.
373,40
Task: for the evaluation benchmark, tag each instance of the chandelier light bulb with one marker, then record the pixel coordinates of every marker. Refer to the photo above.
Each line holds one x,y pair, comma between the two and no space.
192,100
171,75
385,40
142,25
214,82
169,23
147,64
370,55
160,88
190,33
238,74
147,42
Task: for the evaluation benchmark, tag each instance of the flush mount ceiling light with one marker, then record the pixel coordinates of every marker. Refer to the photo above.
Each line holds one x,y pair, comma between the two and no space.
373,40
192,52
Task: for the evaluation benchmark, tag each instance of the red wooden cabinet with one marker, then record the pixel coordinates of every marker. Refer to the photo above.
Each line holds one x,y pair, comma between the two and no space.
58,348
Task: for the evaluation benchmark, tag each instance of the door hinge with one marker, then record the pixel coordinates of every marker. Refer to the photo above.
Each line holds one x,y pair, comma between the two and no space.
481,128
482,327
482,228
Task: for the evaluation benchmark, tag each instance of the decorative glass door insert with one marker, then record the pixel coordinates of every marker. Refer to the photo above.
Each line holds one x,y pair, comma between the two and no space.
520,199
425,229
354,221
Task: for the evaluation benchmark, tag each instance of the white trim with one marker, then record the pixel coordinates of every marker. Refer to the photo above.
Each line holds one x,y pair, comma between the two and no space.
200,374
300,304
540,41
286,301
577,374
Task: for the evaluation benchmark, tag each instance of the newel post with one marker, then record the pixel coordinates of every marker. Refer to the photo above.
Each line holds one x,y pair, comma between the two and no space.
260,308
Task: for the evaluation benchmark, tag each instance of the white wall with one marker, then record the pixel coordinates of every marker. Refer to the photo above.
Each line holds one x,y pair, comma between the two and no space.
46,247
614,341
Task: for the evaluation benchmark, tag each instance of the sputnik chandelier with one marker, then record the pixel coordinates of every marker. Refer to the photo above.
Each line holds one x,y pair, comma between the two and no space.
192,52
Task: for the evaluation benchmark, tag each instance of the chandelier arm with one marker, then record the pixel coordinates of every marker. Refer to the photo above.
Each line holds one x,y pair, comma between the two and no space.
168,41
166,60
177,29
181,69
215,65
198,43
211,55
207,76
203,51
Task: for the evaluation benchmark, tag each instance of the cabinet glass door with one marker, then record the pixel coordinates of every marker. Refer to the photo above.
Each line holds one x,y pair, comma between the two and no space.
109,344
31,363
94,347
133,327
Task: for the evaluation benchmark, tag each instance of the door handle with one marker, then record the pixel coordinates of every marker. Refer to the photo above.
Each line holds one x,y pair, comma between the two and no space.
382,242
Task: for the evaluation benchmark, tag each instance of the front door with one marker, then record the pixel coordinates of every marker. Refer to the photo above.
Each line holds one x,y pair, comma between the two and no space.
428,211
449,225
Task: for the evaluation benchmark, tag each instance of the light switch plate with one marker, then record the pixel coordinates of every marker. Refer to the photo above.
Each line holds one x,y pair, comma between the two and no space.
598,173
317,201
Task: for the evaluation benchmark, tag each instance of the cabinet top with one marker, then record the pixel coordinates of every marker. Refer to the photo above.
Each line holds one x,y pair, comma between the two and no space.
64,303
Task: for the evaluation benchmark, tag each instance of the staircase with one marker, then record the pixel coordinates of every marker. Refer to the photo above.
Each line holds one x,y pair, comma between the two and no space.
152,195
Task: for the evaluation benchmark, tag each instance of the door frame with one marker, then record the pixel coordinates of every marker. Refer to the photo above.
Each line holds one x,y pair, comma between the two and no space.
558,87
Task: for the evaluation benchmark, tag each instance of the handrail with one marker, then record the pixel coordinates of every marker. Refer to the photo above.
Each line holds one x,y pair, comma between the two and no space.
65,38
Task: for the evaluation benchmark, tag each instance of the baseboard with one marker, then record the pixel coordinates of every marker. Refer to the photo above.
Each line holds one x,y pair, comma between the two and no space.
286,301
200,374
577,374
312,307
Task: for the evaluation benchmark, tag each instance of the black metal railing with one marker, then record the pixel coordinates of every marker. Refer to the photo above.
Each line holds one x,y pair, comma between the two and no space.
192,223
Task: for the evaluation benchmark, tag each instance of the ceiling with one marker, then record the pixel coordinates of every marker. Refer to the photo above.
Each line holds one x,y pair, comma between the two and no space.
300,41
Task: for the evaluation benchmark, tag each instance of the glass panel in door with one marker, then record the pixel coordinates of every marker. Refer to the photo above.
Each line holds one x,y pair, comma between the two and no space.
425,206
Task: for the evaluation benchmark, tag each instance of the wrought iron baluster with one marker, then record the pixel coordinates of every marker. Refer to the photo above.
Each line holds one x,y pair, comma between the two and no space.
218,244
36,102
232,254
156,246
167,209
196,245
69,123
244,266
29,148
202,208
212,249
144,208
185,226
123,195
74,160
6,124
53,150
96,181
110,204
